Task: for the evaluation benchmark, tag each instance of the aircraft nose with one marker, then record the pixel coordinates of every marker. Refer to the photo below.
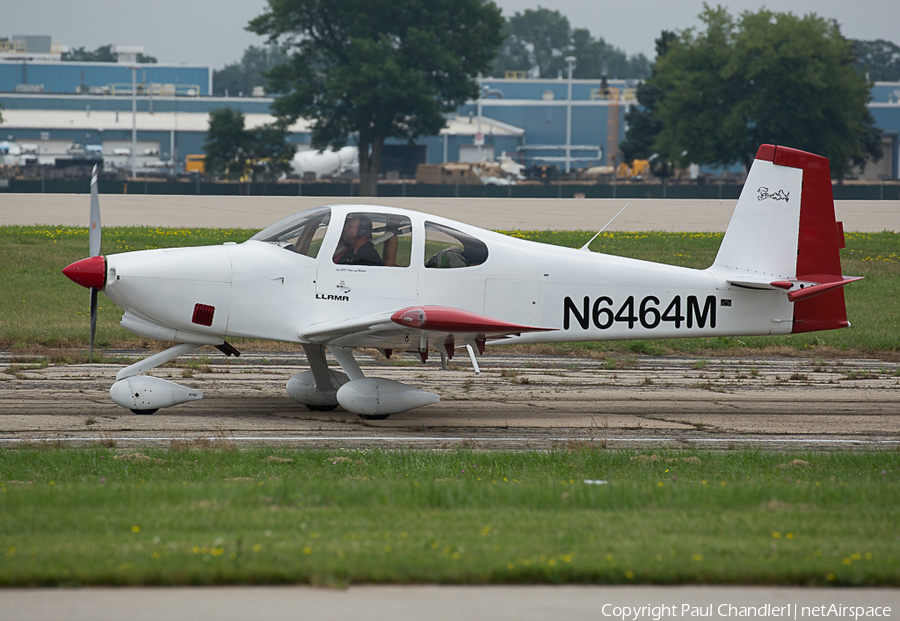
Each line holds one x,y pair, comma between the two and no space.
89,273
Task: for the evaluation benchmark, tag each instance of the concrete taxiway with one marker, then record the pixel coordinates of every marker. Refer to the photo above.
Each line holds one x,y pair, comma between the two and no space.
517,402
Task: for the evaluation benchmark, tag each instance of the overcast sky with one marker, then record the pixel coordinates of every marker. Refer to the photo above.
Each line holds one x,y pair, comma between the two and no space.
211,32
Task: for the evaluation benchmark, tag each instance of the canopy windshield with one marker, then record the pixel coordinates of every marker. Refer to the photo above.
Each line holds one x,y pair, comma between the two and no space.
301,233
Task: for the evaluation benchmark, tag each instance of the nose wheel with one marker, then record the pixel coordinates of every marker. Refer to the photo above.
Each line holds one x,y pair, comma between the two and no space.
145,412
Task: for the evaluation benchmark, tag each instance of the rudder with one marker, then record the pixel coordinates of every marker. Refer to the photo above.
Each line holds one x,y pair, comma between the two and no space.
820,238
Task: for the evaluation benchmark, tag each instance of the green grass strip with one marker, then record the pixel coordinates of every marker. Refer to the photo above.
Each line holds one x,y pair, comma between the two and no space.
182,517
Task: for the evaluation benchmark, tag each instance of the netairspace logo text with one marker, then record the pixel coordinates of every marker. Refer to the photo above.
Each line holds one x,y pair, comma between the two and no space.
766,611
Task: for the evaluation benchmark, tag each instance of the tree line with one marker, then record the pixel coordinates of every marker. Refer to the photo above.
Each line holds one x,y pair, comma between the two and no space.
535,43
103,54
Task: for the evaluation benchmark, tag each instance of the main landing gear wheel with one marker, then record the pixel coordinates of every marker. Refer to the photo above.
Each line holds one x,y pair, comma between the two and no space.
321,408
373,416
144,412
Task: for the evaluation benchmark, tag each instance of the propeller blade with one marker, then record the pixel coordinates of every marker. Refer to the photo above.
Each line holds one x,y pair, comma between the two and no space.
95,234
94,293
94,239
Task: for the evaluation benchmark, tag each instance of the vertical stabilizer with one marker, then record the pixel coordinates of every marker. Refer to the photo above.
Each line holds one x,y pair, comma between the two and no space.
783,235
761,239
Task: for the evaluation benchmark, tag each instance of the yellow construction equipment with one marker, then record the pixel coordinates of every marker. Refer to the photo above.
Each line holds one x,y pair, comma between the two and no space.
195,163
638,169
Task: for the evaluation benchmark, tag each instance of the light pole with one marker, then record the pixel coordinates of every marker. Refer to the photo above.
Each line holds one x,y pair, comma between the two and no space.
570,61
479,135
133,116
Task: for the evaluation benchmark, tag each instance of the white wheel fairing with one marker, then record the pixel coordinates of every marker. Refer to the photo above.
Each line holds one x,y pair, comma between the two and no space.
378,396
143,392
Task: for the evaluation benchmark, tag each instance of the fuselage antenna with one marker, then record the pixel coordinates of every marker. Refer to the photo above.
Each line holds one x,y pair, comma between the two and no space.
585,247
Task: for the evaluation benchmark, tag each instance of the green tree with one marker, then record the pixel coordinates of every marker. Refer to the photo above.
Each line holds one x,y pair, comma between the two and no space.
241,77
763,78
235,152
643,122
103,54
227,146
377,69
878,60
270,151
596,58
537,42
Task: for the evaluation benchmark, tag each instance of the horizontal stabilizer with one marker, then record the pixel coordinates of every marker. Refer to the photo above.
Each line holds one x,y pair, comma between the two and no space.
761,283
799,289
808,292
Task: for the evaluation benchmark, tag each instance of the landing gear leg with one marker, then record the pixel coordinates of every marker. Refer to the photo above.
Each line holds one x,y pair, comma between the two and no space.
347,361
316,388
351,367
156,360
143,394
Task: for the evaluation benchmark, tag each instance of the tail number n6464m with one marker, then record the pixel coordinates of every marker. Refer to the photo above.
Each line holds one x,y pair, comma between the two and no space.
649,312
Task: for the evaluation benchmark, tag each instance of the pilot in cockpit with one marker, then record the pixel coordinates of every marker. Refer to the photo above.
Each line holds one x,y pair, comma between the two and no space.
356,247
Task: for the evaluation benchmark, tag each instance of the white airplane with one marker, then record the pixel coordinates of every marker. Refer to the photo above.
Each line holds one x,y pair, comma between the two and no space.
345,277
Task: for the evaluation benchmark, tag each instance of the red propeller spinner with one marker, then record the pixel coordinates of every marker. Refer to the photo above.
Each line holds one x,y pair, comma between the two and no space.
89,273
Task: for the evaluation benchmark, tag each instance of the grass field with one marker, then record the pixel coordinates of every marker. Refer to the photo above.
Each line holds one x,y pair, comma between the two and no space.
189,516
45,310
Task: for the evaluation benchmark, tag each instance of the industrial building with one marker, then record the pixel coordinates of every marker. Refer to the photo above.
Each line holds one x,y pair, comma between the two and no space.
150,117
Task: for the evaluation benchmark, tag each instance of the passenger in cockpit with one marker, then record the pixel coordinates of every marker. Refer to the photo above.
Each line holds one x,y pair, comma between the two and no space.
355,247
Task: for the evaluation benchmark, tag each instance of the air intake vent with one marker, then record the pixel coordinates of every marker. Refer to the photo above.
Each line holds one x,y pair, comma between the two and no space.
203,314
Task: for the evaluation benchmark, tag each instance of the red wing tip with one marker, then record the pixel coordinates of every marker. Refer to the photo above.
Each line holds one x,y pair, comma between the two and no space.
445,319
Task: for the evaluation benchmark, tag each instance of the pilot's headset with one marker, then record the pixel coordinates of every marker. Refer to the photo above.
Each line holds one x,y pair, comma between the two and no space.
364,229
